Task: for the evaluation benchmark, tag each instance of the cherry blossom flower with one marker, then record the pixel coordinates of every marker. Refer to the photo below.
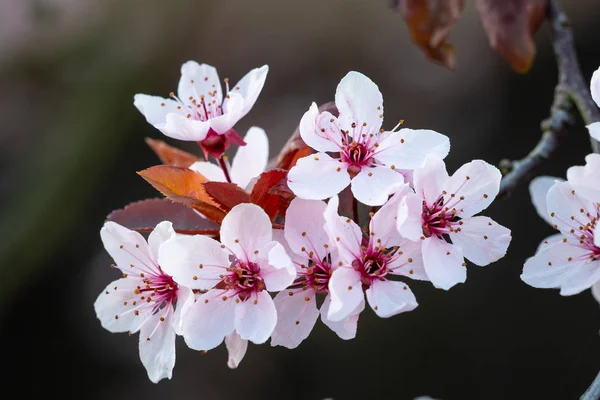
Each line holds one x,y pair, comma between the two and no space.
237,275
440,217
594,128
367,264
199,111
367,157
249,161
146,299
315,259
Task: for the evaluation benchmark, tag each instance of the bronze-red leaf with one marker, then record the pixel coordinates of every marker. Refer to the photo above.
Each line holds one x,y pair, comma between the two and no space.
226,195
171,155
265,194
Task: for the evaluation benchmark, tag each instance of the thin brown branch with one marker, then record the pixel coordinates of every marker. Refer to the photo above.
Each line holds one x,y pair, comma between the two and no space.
571,93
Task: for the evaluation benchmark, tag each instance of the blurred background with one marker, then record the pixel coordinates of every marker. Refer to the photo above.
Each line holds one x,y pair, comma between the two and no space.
71,141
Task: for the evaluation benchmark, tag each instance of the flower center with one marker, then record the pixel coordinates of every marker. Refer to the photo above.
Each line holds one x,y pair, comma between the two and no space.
373,264
438,219
160,290
200,107
244,280
582,232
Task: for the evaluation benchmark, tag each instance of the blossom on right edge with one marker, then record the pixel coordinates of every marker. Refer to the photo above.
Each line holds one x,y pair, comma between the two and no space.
441,216
594,128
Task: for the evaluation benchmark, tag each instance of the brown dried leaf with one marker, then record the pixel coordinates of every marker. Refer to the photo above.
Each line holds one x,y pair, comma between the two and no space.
171,155
510,26
226,195
429,23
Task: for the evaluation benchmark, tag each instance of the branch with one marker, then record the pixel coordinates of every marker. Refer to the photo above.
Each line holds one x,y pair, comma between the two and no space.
593,392
571,91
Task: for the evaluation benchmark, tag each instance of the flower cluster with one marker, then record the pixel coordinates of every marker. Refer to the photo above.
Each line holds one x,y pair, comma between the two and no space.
251,255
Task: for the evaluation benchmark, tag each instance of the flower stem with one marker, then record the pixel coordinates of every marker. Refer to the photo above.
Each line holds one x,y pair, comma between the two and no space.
223,166
355,210
593,392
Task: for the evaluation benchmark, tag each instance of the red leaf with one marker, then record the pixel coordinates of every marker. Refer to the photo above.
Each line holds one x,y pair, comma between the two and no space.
183,186
226,195
263,194
510,25
171,155
429,23
144,215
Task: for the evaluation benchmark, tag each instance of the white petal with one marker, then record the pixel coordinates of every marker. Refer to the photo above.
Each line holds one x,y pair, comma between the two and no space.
430,178
382,226
250,160
345,288
304,221
585,179
475,185
409,220
276,269
388,298
482,240
245,229
567,209
179,126
318,177
595,86
193,261
549,241
128,248
236,349
443,263
114,306
185,300
343,232
407,148
596,291
163,232
233,111
199,80
373,186
296,317
153,109
579,277
157,347
359,100
594,130
256,317
209,320
346,328
209,170
409,261
538,189
250,86
320,131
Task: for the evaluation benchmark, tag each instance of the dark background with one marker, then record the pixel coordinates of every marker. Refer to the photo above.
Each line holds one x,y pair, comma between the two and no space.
71,141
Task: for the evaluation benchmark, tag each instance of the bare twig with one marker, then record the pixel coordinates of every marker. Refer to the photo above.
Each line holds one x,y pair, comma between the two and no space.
593,392
571,92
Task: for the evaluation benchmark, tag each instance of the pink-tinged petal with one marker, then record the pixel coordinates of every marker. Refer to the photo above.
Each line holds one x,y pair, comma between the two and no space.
595,86
296,316
236,349
430,178
128,248
373,186
594,130
567,209
407,148
596,291
320,131
359,101
155,108
549,241
482,240
549,267
580,276
114,306
538,190
209,320
584,180
388,298
383,224
256,318
199,80
409,261
318,177
472,188
179,126
276,267
343,232
193,261
409,221
250,160
163,232
209,170
597,240
233,111
250,86
346,328
304,222
246,229
157,347
444,263
345,288
185,300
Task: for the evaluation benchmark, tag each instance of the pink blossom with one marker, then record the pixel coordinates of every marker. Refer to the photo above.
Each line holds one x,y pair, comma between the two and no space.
442,208
199,110
367,263
146,299
237,275
594,128
315,259
249,161
365,156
